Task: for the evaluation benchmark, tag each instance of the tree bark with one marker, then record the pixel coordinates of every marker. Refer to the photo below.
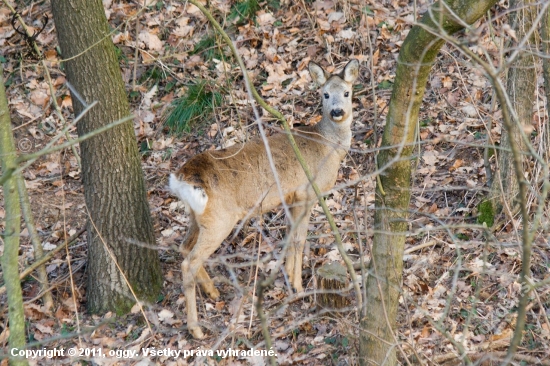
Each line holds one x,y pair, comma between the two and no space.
10,237
114,187
520,87
378,339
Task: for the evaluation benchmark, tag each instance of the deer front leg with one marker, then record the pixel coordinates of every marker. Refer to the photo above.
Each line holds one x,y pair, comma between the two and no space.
300,215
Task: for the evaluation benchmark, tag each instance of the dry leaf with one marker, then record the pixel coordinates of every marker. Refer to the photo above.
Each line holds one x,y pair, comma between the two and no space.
151,41
457,164
39,97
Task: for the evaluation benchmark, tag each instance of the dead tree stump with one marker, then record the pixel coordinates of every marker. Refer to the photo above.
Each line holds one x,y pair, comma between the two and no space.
333,279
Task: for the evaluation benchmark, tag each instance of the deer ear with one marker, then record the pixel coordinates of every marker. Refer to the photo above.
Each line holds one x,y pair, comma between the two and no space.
351,71
317,73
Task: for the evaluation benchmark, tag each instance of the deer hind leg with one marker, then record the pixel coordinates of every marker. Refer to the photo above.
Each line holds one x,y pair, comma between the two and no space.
187,245
209,239
191,236
300,215
206,283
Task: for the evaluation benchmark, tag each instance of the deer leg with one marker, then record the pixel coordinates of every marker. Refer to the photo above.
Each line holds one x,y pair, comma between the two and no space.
300,214
191,236
209,239
186,246
191,301
206,284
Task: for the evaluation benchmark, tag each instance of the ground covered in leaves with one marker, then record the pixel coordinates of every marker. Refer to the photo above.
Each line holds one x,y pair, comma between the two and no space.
457,277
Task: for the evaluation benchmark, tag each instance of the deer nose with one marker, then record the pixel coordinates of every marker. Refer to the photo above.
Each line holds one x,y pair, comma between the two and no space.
337,113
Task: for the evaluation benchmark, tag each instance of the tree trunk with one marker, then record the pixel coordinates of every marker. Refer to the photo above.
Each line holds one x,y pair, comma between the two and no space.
378,338
521,90
114,187
10,237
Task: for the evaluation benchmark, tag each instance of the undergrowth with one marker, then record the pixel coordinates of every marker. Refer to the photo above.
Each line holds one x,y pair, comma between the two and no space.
244,10
199,102
208,47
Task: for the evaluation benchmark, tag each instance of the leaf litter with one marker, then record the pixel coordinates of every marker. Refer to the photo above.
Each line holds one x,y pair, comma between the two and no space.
276,44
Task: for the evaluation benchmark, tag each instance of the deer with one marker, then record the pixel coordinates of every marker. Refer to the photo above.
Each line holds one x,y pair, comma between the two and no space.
221,187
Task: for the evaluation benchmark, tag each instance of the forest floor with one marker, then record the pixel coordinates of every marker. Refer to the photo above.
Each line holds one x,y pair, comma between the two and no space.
458,277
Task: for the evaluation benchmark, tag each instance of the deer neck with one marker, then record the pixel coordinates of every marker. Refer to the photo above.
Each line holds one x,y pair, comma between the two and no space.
336,133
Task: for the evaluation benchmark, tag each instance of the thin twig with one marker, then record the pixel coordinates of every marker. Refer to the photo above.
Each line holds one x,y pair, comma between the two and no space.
509,119
40,261
136,51
60,113
108,35
263,321
38,52
48,150
69,264
286,127
35,240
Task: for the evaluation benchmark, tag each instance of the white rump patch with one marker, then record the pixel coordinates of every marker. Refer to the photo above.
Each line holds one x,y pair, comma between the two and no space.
193,197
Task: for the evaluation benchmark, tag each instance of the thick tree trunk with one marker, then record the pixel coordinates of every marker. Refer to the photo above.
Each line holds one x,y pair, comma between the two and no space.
378,323
521,90
113,181
10,237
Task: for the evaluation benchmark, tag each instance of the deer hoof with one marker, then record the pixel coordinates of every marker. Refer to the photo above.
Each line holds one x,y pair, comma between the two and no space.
213,293
196,332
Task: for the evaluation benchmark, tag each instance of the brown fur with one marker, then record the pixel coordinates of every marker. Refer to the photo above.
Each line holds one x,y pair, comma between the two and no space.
239,181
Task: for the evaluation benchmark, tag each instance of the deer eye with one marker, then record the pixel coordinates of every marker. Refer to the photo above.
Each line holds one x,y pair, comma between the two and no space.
326,95
346,94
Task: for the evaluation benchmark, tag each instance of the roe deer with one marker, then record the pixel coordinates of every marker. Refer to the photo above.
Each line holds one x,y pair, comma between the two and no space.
222,187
